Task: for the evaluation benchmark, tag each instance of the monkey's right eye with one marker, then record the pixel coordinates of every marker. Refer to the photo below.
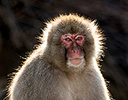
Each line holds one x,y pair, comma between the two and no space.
67,39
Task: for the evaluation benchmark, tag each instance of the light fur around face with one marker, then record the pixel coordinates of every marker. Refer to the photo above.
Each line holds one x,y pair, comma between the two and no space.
46,74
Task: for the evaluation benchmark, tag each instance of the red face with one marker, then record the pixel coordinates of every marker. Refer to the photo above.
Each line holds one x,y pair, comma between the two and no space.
74,46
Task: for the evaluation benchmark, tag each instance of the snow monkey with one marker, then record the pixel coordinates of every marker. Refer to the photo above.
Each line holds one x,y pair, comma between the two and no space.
65,64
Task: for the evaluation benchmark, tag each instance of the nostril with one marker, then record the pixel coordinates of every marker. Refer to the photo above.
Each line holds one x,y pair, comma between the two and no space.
73,50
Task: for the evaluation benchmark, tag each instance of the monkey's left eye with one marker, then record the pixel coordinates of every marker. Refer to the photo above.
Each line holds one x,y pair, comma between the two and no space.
67,39
79,38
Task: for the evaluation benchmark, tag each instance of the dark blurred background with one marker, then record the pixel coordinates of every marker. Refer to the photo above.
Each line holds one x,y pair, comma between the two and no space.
21,21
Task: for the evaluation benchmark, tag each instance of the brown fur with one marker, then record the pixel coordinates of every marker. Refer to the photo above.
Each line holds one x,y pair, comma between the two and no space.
45,76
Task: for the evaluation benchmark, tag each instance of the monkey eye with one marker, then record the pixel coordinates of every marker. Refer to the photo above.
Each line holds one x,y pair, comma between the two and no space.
67,39
79,38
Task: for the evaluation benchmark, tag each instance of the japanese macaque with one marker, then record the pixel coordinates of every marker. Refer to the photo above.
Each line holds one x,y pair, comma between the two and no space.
65,65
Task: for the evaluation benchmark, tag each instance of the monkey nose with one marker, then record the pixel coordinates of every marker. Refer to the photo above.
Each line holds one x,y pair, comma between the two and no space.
75,50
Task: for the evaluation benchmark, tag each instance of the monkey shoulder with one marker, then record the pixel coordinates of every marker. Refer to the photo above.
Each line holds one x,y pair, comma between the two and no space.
96,85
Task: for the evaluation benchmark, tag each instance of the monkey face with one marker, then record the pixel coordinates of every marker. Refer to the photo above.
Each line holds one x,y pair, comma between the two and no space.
73,44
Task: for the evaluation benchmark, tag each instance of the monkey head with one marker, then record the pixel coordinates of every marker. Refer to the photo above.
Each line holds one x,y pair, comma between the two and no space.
72,42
